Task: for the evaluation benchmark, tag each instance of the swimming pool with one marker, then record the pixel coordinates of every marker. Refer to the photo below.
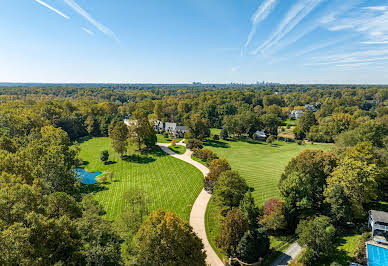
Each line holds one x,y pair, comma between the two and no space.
86,177
377,256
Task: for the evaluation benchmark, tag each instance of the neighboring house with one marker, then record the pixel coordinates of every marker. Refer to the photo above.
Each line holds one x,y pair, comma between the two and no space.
260,135
310,107
296,114
377,245
171,128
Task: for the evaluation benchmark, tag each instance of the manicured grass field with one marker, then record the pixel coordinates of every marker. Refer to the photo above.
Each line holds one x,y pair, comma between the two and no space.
261,164
170,184
178,149
162,139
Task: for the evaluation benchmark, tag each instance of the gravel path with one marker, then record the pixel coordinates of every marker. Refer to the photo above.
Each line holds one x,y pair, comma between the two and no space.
197,215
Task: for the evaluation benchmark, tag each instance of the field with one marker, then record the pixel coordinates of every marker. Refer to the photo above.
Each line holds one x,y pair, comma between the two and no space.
170,184
180,149
261,164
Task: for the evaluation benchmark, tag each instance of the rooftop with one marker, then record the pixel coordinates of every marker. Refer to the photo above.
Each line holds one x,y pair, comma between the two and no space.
379,216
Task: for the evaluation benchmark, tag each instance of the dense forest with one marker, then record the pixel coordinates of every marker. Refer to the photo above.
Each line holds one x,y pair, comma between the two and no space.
46,218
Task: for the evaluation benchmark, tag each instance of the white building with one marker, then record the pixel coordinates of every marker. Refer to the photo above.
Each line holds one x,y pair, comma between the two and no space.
296,114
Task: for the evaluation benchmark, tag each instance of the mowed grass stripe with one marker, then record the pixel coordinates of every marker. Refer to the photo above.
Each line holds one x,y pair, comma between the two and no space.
170,184
259,163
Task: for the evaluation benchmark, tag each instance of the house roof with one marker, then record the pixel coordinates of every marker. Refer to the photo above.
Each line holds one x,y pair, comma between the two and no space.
379,216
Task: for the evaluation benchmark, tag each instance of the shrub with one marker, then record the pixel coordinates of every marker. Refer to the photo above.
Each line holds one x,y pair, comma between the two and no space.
216,167
212,156
205,154
194,143
188,135
216,137
197,153
299,142
360,252
173,142
165,135
104,156
270,139
224,134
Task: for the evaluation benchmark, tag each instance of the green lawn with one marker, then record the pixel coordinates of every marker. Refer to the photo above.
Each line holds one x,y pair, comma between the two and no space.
212,224
170,184
259,163
180,149
162,139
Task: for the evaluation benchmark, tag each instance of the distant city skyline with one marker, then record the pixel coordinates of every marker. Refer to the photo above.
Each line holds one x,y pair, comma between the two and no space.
186,41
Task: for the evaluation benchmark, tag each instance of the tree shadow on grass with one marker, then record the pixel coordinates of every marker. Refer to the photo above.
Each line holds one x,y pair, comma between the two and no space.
83,139
156,151
137,158
110,162
83,163
92,188
217,144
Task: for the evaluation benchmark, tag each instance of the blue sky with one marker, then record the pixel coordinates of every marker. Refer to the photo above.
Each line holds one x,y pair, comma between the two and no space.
181,41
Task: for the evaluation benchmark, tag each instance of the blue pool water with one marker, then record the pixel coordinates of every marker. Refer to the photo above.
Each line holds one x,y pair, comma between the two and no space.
377,256
86,177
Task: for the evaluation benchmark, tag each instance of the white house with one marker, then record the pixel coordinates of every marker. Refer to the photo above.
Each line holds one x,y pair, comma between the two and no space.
296,114
171,128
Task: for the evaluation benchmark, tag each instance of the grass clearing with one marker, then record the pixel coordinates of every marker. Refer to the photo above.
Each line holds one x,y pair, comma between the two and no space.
170,184
212,225
261,164
179,149
162,139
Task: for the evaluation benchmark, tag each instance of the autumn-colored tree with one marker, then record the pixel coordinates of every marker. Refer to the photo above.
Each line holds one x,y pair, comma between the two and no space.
231,231
173,143
216,167
273,215
358,180
164,239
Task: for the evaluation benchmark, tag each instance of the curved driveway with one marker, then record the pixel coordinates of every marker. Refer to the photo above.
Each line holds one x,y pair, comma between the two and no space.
197,215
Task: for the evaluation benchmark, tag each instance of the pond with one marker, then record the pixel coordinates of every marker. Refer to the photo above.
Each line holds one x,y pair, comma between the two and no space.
86,177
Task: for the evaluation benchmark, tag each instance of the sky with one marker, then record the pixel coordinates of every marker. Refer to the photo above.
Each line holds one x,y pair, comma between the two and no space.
182,41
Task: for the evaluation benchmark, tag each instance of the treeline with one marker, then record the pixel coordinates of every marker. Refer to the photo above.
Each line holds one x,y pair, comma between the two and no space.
46,214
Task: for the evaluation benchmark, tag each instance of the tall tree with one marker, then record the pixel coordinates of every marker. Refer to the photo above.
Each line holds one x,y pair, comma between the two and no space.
231,231
164,239
141,130
253,245
318,236
229,189
119,136
198,127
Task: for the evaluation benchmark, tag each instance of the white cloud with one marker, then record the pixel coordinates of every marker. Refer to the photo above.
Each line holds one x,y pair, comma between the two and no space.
94,22
293,17
261,14
235,68
52,9
87,31
377,8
